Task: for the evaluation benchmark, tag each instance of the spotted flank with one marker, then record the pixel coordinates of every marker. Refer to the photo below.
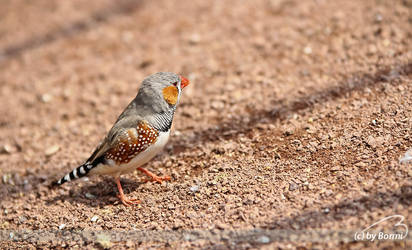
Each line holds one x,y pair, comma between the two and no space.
131,143
75,174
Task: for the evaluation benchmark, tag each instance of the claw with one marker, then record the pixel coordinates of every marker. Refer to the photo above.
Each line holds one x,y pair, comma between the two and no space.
153,177
127,202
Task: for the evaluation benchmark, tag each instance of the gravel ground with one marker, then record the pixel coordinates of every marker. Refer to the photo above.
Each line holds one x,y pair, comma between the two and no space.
294,123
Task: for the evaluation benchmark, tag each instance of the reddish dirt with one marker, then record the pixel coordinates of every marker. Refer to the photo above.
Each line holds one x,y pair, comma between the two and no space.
295,120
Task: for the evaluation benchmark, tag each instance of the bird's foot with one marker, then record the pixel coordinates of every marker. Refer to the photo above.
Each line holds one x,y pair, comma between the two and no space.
127,202
153,177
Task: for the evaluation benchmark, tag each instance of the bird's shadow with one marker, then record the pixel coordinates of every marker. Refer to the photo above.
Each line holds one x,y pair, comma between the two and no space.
97,194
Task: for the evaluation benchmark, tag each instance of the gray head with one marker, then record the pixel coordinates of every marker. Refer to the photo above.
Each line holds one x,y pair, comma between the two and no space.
156,101
161,91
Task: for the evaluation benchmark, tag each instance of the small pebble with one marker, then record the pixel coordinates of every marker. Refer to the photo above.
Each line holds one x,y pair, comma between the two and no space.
407,158
90,196
293,186
62,226
94,218
194,39
46,98
360,164
5,225
307,50
378,17
194,188
221,226
52,150
6,149
263,239
218,105
7,179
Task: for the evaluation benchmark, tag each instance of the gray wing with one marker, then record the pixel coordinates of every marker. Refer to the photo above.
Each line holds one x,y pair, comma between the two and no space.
99,151
118,129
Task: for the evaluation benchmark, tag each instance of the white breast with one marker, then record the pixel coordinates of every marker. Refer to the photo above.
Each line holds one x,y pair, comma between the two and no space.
143,157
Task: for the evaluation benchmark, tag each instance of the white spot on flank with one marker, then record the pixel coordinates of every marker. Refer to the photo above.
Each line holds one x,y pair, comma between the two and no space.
82,170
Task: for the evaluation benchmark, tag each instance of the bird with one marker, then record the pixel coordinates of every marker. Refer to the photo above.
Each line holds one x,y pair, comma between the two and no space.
139,133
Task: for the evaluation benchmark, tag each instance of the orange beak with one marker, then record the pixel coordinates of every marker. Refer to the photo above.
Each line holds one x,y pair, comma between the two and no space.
184,82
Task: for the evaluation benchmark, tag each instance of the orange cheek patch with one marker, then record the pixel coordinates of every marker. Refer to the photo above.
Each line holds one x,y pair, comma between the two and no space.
170,94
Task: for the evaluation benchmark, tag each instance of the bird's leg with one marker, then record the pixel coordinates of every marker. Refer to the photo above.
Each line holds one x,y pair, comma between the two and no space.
154,177
127,202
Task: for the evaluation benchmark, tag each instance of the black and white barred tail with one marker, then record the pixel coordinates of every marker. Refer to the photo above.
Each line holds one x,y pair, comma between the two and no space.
76,173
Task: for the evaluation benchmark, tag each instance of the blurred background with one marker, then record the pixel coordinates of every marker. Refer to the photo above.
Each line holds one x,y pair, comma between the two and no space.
295,107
